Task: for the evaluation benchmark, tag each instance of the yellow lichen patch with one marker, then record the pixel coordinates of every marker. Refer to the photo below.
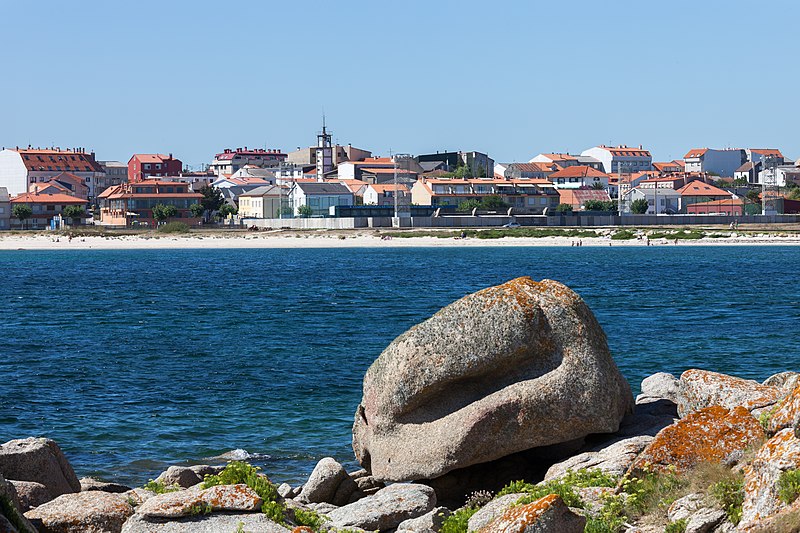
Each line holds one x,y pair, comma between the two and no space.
710,435
517,519
787,413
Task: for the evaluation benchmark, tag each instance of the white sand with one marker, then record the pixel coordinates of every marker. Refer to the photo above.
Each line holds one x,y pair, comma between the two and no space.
339,239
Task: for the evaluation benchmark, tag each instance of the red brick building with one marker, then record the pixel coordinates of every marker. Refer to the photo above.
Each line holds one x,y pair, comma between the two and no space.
144,166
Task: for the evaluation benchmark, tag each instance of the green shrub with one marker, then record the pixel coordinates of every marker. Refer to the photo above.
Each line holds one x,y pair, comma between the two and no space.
200,508
729,494
159,487
237,472
515,487
458,521
583,478
766,417
610,518
678,526
308,518
623,235
652,490
789,486
174,227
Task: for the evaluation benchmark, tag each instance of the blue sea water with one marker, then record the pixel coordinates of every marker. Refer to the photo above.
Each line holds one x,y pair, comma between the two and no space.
134,360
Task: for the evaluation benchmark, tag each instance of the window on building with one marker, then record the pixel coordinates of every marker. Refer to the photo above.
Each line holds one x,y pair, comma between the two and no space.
33,179
51,208
147,166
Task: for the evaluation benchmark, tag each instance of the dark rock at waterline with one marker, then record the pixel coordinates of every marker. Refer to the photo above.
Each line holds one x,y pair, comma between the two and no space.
503,370
39,460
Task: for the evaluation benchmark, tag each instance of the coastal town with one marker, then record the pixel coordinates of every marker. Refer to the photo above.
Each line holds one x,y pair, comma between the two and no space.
329,184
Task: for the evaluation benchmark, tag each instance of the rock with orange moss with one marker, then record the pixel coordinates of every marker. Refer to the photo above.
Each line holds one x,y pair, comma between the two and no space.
189,502
509,368
777,455
787,413
82,512
208,523
701,388
546,515
713,434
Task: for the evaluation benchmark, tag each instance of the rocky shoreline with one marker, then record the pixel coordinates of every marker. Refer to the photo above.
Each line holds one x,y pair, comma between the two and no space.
504,412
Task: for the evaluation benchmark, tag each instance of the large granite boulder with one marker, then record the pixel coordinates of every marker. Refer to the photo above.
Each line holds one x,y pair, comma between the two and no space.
209,523
39,460
83,512
509,368
31,494
12,518
324,482
193,501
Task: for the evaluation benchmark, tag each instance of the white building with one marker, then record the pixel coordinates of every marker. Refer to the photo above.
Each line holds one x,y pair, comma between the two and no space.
319,196
659,200
621,158
722,163
568,160
577,177
262,202
22,167
383,194
5,209
759,154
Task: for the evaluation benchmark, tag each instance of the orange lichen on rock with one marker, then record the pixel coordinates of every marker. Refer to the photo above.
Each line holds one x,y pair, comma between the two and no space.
787,413
551,509
779,454
702,388
302,529
713,434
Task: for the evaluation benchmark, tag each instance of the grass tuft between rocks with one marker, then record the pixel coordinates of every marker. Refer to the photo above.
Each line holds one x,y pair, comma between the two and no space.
159,487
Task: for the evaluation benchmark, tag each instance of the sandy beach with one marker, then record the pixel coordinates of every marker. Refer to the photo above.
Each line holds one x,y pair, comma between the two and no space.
350,239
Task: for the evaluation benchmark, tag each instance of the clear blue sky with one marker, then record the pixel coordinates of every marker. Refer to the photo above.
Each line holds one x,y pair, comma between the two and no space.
509,78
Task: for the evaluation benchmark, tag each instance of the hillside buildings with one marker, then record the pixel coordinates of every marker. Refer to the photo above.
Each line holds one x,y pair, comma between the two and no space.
721,163
568,160
480,164
577,177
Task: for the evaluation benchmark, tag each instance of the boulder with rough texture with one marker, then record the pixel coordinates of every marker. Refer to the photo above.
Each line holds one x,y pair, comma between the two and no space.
31,494
430,522
786,414
211,523
385,509
701,388
137,496
685,507
39,460
88,483
492,510
11,513
546,515
777,455
182,476
506,369
188,502
659,386
614,458
713,434
705,520
82,512
323,482
784,380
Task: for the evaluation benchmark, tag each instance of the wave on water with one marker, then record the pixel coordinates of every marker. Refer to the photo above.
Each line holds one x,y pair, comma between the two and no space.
239,455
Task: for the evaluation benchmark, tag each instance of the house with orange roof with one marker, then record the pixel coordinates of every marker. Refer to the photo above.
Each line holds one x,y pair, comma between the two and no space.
621,158
578,197
668,167
674,182
384,193
146,166
528,195
357,187
698,191
659,200
577,177
65,183
131,204
20,168
728,206
760,154
230,161
722,163
45,207
567,160
525,170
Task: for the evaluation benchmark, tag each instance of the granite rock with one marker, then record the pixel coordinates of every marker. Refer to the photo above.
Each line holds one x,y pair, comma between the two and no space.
39,460
385,509
82,512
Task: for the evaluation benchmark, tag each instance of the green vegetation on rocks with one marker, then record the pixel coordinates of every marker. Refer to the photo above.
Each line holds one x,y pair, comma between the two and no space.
159,487
789,486
729,493
458,521
623,235
174,227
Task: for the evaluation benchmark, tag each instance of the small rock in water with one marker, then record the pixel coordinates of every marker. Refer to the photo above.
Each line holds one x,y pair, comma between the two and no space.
181,476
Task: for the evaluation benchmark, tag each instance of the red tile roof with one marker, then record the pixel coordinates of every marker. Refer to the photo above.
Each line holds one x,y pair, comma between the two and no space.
699,188
767,151
381,187
695,152
63,160
532,167
33,198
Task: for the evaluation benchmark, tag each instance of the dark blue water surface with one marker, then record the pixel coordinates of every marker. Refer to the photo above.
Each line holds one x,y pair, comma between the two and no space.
133,360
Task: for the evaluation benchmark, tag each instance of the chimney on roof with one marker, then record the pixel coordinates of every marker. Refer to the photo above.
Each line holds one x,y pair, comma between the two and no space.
640,147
